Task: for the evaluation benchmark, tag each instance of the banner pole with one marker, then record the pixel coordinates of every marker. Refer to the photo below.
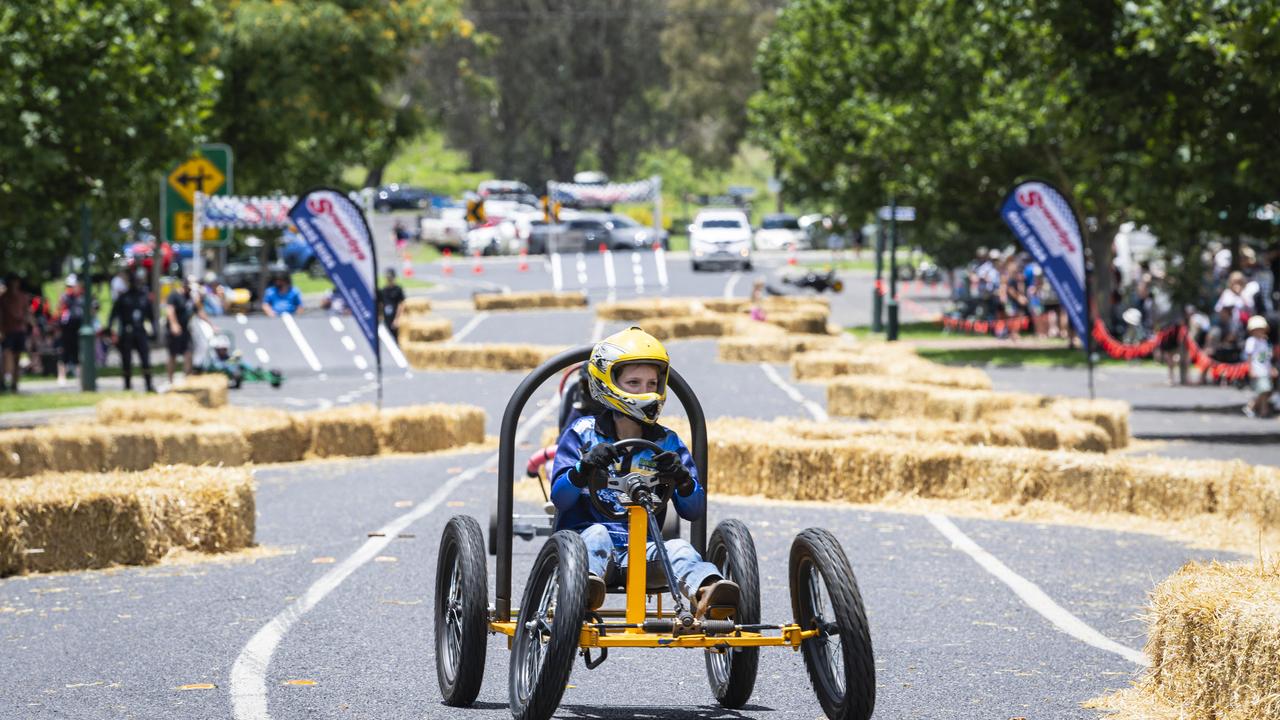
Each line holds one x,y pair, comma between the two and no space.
377,305
1088,311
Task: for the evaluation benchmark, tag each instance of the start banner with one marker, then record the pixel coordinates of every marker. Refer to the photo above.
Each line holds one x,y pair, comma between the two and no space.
1046,226
238,211
601,195
336,230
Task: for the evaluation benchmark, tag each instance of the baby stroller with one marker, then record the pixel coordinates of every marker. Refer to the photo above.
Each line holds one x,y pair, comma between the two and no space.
222,357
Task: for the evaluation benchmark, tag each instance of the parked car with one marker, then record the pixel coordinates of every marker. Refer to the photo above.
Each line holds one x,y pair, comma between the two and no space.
588,231
540,235
778,232
447,230
720,238
401,197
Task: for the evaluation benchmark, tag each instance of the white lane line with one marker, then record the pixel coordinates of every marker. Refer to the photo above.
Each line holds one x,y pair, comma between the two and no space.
581,266
307,353
251,335
361,363
336,323
263,357
348,343
817,411
249,673
557,275
733,280
471,325
240,318
597,332
660,259
1032,595
637,271
393,350
610,279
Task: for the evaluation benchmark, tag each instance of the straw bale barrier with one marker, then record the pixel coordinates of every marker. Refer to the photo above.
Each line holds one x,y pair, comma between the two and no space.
274,436
427,329
825,365
801,321
1214,641
169,407
1110,415
778,349
675,328
415,306
343,432
424,428
135,446
495,356
529,300
649,308
73,521
209,390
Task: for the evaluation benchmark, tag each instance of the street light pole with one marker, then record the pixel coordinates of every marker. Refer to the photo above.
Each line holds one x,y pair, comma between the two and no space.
88,368
892,333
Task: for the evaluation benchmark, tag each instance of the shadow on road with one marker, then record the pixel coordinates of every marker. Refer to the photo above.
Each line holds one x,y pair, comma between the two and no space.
1214,438
1232,409
707,712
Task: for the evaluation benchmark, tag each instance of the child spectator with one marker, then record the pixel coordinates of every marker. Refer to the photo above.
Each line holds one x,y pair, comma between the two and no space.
1257,352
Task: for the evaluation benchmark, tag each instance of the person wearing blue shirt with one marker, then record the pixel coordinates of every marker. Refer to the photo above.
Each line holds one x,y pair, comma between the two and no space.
627,375
282,297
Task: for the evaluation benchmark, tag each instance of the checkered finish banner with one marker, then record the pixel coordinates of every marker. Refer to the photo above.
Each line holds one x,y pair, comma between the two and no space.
1046,226
336,230
250,213
601,195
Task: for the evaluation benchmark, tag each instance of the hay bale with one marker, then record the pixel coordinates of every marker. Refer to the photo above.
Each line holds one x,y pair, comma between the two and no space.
209,390
344,432
885,397
273,436
415,306
529,300
90,520
210,444
647,308
21,454
170,407
778,349
436,356
829,364
427,329
1110,415
1214,642
799,321
675,328
424,428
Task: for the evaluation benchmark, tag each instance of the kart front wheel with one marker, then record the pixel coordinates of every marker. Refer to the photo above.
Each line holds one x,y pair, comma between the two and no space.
461,611
548,627
732,672
824,596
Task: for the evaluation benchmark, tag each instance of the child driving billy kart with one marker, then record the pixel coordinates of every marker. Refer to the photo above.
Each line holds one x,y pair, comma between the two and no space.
627,374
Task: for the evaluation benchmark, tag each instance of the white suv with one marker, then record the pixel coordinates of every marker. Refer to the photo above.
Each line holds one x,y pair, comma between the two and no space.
720,238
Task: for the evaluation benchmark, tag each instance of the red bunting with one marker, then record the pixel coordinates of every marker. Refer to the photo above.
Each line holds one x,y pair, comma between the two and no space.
986,327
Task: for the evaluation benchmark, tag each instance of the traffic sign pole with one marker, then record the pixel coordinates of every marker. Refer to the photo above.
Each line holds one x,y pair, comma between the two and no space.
197,236
892,333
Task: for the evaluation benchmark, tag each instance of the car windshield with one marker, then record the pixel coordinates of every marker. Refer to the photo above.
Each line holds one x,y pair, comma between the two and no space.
784,222
721,223
623,221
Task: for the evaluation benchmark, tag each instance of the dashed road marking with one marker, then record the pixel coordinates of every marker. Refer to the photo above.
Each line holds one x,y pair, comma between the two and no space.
557,275
1032,595
637,271
263,357
307,353
581,267
249,673
251,335
348,343
660,260
814,409
361,363
335,322
240,318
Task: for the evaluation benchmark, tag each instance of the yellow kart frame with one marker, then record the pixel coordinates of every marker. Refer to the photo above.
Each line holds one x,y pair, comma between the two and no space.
554,626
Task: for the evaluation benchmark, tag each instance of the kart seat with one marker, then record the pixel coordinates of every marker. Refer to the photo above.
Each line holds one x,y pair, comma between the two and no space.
655,580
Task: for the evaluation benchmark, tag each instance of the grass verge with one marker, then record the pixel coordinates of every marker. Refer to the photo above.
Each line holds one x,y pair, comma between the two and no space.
24,402
1018,357
906,331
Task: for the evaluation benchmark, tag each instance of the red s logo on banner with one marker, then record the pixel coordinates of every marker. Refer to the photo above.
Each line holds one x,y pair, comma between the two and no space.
1033,199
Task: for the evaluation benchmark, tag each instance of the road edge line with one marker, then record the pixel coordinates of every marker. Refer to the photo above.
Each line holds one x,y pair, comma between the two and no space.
816,411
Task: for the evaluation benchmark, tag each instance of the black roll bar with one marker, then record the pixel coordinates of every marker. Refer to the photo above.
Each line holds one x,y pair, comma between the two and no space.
507,460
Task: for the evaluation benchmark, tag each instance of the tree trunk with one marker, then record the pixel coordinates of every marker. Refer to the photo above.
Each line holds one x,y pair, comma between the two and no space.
373,178
1100,249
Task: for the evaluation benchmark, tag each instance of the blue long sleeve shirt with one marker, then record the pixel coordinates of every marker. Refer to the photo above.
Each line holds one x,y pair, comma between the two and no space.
573,504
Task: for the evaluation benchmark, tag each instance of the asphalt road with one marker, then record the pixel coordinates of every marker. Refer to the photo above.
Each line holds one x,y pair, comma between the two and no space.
350,615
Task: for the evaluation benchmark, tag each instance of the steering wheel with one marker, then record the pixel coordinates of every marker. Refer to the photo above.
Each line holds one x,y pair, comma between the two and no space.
627,480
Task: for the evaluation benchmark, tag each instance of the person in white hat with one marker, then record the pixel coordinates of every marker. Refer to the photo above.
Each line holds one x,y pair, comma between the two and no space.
1262,373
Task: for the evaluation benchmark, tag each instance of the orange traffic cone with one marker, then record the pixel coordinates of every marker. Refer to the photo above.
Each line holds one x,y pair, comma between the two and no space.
791,256
407,267
477,268
445,263
524,260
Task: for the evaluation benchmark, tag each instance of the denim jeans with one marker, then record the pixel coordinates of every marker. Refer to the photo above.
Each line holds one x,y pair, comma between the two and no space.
689,568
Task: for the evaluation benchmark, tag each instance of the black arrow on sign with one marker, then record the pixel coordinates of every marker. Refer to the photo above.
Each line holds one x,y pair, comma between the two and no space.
199,178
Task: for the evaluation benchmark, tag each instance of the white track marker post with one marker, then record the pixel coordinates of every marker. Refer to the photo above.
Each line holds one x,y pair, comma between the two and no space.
1032,595
249,672
307,353
557,275
581,266
393,349
637,272
660,260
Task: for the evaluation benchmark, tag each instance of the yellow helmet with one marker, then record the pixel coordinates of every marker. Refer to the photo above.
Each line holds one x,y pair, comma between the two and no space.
629,347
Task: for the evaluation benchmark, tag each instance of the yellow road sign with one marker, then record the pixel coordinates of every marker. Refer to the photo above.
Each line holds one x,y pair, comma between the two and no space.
196,175
182,229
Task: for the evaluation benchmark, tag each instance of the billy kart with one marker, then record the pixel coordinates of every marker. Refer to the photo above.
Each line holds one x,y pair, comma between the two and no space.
552,624
815,281
223,357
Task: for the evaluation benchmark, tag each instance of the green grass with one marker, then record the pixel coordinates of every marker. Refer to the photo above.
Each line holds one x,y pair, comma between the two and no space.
1013,356
25,401
424,253
101,290
867,262
906,331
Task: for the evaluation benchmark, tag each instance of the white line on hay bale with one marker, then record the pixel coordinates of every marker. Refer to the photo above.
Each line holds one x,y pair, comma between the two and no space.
71,521
529,300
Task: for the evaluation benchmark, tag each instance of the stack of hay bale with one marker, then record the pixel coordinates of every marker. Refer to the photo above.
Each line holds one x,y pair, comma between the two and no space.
674,318
426,341
529,300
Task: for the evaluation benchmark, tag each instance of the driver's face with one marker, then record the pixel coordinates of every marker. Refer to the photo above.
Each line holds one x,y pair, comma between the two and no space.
638,379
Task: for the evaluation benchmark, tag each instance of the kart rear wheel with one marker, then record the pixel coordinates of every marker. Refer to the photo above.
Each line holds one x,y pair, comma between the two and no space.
548,627
732,673
462,596
824,595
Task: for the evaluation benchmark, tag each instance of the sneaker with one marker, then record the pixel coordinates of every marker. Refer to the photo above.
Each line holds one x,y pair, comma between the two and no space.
1248,411
718,601
595,591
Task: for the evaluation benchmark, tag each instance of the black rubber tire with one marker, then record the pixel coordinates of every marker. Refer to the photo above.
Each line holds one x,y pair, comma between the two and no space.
565,555
817,550
733,551
462,547
493,530
697,267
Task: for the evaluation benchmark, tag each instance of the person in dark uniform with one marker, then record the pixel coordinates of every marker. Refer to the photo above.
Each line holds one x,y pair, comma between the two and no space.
133,312
180,307
392,297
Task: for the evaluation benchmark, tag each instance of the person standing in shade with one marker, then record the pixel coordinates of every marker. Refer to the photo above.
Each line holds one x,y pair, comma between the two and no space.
392,297
132,310
15,321
282,298
181,305
71,314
